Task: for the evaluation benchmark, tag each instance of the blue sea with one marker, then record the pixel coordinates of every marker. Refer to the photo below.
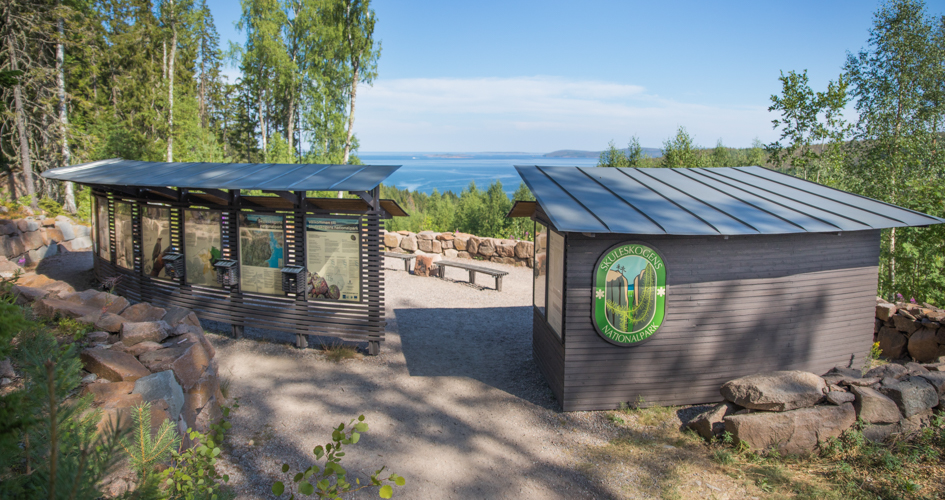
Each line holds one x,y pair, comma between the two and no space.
454,171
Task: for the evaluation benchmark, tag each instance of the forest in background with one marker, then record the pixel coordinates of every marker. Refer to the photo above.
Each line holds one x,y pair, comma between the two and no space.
84,80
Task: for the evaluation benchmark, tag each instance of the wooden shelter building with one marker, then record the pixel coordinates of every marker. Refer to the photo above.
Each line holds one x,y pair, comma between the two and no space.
662,284
243,244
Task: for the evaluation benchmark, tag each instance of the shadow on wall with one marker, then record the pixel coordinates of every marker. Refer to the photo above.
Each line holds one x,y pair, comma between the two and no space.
492,345
689,360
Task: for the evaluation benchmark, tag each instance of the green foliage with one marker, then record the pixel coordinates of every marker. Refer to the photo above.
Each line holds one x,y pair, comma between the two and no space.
331,479
144,450
632,157
894,154
681,152
50,207
474,211
61,454
193,474
73,328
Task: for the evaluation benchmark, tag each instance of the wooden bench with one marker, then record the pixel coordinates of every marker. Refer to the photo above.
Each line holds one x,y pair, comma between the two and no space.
473,269
406,257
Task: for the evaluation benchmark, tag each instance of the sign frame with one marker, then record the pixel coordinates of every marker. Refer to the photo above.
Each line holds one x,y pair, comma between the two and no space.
598,294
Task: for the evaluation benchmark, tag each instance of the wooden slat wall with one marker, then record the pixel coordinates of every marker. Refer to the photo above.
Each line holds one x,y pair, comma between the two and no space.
548,352
355,321
734,307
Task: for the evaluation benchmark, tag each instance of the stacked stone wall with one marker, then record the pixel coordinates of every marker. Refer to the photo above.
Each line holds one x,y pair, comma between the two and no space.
907,330
138,353
25,242
461,245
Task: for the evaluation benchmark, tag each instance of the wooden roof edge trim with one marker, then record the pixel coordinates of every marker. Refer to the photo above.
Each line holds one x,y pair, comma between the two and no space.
522,209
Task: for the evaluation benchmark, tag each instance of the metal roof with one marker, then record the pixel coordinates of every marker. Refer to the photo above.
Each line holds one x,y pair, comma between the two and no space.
703,201
265,176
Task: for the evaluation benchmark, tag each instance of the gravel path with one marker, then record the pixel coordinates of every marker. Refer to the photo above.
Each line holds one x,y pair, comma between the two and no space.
454,401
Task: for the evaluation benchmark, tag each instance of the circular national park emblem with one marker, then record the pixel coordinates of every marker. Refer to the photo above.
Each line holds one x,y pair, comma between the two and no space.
629,294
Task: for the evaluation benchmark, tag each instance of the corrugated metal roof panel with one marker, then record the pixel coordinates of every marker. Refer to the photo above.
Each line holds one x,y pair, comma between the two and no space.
712,201
272,176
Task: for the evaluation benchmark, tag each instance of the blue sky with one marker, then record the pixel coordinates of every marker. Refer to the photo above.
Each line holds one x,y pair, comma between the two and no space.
541,76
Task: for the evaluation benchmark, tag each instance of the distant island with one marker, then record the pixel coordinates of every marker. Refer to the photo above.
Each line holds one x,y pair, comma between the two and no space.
574,153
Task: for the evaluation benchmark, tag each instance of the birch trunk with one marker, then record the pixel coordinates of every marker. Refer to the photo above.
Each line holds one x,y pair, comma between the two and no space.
68,202
262,126
291,122
170,90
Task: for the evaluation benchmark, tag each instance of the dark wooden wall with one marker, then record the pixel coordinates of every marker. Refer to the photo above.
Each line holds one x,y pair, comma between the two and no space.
734,307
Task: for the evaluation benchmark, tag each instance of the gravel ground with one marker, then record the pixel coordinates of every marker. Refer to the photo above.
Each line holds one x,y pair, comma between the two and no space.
454,401
455,404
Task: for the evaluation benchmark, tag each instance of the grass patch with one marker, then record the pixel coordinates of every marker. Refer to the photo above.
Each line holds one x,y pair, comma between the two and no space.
337,351
72,328
653,458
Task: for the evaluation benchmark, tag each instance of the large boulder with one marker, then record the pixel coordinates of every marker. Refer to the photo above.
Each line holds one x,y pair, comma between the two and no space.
913,395
162,359
162,385
937,379
472,245
142,312
193,334
409,243
65,227
103,301
11,246
80,243
134,333
113,365
795,432
137,349
189,367
505,248
524,249
776,391
103,392
486,247
180,315
885,310
106,321
923,344
8,227
710,423
32,240
892,342
459,242
27,295
392,240
57,289
904,324
27,225
873,407
429,245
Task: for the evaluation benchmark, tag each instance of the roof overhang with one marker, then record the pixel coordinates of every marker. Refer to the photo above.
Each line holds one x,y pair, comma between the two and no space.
702,201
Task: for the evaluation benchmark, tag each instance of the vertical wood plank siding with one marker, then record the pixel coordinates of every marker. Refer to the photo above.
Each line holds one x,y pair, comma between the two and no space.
734,307
356,321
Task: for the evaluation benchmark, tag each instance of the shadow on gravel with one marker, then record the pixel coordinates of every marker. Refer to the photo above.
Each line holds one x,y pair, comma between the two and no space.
492,345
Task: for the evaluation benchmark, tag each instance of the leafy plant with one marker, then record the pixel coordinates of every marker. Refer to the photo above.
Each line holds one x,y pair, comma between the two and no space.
332,478
73,328
193,474
872,357
143,450
50,207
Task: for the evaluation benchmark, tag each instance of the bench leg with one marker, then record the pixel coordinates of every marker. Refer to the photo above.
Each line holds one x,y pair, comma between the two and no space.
407,265
472,277
374,348
237,331
301,341
498,283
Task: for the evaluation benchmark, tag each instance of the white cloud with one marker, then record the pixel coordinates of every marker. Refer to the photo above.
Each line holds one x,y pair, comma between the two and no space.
537,114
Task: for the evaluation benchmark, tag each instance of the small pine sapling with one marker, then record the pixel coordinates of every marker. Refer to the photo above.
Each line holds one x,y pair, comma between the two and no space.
143,450
193,473
332,479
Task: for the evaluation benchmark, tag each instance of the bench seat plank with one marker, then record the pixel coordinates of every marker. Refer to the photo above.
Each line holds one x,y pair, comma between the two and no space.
406,257
473,269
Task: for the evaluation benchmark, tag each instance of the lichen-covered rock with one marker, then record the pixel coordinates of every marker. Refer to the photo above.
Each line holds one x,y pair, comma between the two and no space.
795,432
143,312
486,247
885,310
923,344
710,423
873,407
113,365
189,367
913,395
892,342
135,333
162,385
524,249
776,391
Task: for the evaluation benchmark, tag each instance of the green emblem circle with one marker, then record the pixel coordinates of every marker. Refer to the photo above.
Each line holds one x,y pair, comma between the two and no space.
629,294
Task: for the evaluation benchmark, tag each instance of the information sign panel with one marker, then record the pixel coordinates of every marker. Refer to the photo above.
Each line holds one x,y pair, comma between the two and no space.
262,253
334,257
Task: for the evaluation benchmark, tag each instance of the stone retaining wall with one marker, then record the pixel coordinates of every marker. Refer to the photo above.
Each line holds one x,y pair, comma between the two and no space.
906,330
461,245
137,353
25,242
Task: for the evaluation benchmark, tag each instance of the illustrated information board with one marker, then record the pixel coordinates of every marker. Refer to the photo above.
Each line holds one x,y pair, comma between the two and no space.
124,245
334,258
202,246
262,253
156,237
